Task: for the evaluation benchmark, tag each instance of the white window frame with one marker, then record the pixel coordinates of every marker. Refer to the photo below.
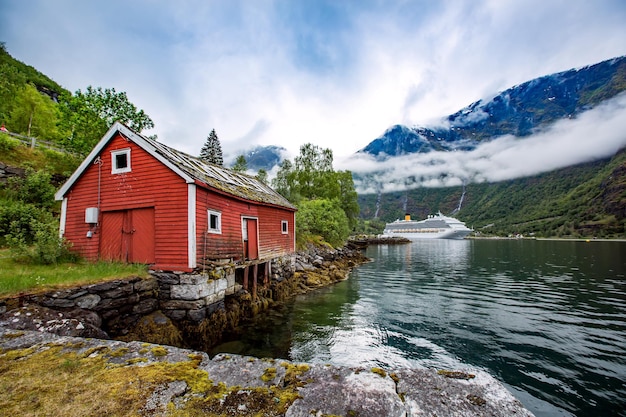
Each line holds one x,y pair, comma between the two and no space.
218,230
114,154
284,227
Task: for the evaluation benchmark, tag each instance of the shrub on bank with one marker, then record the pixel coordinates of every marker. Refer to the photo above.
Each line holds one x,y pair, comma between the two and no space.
323,218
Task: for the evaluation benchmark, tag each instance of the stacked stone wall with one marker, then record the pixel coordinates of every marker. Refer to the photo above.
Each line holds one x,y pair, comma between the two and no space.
7,171
195,296
118,303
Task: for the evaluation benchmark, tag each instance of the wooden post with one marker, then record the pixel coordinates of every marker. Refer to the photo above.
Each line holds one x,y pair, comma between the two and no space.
255,271
245,278
266,278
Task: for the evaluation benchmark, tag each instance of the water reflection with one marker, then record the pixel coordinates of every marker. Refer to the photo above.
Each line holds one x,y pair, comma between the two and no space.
440,254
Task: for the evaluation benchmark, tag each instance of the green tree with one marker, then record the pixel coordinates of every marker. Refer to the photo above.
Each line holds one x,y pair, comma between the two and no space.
241,165
262,176
312,183
323,218
211,151
88,115
283,183
314,173
348,197
112,106
34,114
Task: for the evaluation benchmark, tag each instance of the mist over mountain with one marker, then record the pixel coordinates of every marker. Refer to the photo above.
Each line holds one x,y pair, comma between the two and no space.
544,124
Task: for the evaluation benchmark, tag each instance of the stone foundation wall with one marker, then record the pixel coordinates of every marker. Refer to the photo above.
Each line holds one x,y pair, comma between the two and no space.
194,296
119,304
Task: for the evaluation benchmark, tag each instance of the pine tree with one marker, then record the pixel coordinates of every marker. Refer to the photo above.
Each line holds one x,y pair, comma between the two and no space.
211,152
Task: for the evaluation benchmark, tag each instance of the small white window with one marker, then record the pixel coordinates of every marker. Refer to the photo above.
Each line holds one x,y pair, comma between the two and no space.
215,222
120,161
284,226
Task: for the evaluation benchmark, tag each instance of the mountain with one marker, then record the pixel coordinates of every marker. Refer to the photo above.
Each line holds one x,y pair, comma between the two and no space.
519,111
585,200
580,200
264,157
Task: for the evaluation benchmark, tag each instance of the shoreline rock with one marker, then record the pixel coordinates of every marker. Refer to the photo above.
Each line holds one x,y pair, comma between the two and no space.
189,382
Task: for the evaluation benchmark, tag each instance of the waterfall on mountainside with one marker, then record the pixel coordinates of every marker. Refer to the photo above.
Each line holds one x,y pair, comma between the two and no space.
456,210
405,202
378,198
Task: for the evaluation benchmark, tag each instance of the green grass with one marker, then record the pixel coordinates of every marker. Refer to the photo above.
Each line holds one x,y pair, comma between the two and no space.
16,277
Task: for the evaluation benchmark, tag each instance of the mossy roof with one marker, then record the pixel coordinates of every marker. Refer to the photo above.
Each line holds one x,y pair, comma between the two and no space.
190,168
223,179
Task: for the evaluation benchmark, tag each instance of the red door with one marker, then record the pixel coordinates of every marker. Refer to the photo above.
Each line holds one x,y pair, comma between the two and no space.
142,236
251,237
128,236
111,235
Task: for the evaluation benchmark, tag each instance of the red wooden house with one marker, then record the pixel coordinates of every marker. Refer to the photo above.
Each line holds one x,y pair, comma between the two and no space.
134,199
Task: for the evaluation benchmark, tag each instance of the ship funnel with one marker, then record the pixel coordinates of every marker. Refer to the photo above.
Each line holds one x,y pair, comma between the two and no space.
407,217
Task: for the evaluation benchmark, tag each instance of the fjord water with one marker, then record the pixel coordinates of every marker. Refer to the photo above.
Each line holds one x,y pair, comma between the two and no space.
547,318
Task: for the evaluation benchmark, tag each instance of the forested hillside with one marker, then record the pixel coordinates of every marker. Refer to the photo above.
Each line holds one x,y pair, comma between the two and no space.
34,109
33,105
587,200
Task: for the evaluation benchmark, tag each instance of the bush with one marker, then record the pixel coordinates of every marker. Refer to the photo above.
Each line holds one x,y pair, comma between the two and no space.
7,143
18,216
32,233
36,188
47,246
323,218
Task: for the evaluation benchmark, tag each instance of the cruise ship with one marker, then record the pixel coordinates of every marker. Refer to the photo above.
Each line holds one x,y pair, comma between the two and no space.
435,226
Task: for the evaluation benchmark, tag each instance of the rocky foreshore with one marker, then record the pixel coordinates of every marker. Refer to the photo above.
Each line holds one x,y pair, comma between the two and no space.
46,374
47,370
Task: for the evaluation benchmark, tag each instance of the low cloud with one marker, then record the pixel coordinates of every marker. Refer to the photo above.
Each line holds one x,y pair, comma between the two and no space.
595,134
287,73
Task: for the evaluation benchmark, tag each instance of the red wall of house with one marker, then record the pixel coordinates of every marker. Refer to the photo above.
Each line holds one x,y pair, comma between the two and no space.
230,242
271,238
149,184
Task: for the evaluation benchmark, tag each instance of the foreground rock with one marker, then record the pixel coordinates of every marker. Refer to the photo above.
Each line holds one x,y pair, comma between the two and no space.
118,378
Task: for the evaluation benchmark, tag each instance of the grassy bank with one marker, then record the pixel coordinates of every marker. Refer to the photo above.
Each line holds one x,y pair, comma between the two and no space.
16,277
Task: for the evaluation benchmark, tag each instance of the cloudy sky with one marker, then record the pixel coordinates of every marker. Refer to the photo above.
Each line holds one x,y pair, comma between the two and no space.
287,72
